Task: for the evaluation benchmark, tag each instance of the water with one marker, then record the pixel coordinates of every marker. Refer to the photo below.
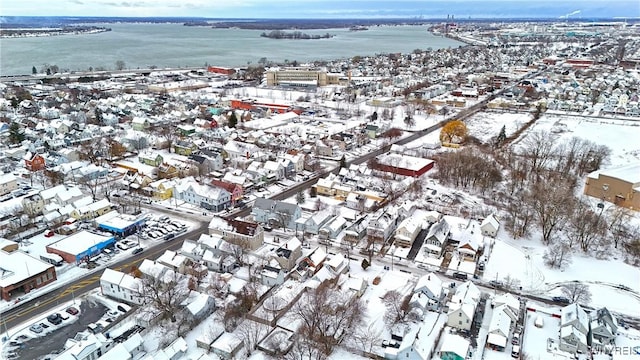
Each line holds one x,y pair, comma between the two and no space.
175,45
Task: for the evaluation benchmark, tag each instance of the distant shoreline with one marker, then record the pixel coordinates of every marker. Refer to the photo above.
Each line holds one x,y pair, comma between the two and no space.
42,32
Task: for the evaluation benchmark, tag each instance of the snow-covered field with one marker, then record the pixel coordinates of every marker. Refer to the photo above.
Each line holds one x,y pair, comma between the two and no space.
486,125
621,136
523,260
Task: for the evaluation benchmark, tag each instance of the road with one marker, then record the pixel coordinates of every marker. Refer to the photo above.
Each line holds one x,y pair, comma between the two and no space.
25,310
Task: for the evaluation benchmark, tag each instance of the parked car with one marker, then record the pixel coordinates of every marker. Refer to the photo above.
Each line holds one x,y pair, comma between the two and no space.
36,328
515,340
49,233
137,251
460,275
561,300
73,311
54,319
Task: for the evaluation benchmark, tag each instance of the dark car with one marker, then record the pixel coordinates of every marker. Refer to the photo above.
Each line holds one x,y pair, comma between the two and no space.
72,311
137,251
561,300
55,319
460,275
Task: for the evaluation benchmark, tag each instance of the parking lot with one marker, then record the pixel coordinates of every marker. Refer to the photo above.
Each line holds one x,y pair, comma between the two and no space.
162,228
28,344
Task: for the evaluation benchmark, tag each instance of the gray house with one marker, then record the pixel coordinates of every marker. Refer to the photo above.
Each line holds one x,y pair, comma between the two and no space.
317,221
276,213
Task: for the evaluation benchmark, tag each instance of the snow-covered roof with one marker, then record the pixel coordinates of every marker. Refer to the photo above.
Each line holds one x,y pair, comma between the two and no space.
432,283
18,266
490,221
629,173
455,344
404,161
79,242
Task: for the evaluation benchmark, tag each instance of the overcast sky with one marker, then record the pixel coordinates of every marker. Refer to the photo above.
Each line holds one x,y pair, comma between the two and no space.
323,8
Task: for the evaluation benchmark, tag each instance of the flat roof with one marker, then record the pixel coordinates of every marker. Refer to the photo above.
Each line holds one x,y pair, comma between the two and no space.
18,266
116,221
79,242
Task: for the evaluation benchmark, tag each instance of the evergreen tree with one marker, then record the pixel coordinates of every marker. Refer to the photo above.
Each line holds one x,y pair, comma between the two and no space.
300,197
343,162
16,134
34,70
233,120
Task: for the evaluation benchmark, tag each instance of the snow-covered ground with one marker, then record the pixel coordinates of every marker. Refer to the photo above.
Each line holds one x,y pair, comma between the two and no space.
486,125
523,260
621,136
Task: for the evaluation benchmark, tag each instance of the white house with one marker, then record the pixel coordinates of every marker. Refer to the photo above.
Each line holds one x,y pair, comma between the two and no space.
490,226
604,326
463,306
120,286
499,328
436,238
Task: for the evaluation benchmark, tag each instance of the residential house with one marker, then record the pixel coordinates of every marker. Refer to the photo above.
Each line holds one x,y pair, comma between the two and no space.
183,147
333,228
207,163
140,123
490,226
33,204
150,158
246,234
160,189
275,171
428,293
8,183
409,229
310,264
470,243
436,238
512,305
317,221
499,326
288,254
462,306
382,225
235,149
198,306
168,171
205,196
34,161
325,186
92,210
236,191
574,329
357,285
121,286
276,213
356,231
186,129
604,326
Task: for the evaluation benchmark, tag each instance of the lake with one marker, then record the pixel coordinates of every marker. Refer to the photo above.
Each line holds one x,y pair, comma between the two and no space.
175,45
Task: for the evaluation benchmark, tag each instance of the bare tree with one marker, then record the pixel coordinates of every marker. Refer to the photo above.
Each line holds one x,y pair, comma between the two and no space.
366,337
329,316
576,292
584,226
164,294
558,255
397,306
552,204
251,332
538,149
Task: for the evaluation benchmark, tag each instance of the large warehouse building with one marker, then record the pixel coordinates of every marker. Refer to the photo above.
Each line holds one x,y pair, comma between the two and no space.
80,246
20,273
